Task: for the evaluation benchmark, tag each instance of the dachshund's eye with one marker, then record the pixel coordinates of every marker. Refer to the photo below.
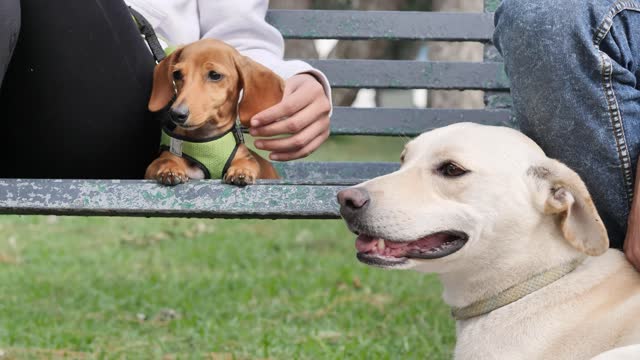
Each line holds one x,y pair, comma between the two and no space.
177,75
214,76
450,169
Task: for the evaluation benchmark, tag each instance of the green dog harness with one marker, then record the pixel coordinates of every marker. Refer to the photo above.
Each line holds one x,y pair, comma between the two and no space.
213,156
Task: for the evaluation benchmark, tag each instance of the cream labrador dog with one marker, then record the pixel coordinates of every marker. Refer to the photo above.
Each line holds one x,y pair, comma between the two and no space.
515,239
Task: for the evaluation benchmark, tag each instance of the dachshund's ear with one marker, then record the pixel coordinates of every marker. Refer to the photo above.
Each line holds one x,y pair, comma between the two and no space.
262,88
162,91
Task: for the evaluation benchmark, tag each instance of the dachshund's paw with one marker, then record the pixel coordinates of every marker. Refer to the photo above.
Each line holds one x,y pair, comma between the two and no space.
240,176
171,176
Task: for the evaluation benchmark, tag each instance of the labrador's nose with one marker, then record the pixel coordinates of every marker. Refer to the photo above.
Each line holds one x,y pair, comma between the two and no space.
179,114
353,200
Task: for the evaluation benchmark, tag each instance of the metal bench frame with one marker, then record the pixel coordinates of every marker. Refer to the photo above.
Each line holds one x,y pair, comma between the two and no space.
308,189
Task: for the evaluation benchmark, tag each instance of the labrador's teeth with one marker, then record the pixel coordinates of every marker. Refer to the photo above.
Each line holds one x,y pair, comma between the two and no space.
381,244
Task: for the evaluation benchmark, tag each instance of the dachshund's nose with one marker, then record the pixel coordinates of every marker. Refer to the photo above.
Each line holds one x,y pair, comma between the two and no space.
179,114
353,200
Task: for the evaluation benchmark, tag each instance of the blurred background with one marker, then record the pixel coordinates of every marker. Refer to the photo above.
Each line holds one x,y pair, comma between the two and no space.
135,288
392,50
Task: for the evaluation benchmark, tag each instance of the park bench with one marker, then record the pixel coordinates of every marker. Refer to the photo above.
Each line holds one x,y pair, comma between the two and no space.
307,189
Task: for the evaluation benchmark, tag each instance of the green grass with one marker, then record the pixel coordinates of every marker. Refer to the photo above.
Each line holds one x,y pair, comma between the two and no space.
138,288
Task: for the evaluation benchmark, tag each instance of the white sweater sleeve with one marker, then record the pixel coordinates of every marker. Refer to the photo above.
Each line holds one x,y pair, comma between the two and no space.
241,24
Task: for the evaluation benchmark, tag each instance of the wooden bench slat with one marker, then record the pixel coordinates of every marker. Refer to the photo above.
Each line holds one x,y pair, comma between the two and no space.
206,199
392,25
307,191
338,173
406,74
408,122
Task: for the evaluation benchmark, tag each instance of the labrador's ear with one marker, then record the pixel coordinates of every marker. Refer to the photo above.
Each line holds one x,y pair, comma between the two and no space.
262,88
162,91
565,196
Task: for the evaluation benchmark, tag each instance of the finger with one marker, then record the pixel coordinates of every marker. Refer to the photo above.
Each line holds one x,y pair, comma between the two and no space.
293,124
295,142
302,153
289,105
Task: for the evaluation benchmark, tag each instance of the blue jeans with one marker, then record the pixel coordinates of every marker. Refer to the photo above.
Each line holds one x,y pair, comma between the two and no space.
574,67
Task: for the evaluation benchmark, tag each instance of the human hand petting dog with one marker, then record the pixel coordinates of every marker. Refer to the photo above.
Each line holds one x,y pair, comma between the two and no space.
303,114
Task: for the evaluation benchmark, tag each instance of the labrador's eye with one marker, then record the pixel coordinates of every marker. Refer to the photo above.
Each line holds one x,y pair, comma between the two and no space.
177,75
403,155
450,169
214,76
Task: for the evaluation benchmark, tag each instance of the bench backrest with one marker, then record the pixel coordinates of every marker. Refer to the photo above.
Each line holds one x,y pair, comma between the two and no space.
400,74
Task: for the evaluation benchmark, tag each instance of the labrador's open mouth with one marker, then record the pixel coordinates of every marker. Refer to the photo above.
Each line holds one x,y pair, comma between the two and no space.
380,252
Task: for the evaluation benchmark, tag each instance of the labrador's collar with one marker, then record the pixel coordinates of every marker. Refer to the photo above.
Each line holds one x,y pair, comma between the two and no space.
516,292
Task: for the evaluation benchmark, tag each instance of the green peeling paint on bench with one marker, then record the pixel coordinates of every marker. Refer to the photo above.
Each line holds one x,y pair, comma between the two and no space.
206,199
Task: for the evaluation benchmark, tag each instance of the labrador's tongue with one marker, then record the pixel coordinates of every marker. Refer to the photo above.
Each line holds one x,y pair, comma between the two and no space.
429,242
365,244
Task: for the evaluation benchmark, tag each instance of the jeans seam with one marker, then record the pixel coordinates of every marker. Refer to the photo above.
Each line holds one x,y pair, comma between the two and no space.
616,122
615,115
607,22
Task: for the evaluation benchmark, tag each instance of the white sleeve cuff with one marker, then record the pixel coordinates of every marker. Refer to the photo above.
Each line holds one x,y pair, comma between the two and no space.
322,79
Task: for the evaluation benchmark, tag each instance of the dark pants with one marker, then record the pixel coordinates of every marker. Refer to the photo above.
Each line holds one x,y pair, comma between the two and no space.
75,80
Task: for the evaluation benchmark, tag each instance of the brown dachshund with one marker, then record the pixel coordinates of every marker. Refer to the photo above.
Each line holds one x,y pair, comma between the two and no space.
205,79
